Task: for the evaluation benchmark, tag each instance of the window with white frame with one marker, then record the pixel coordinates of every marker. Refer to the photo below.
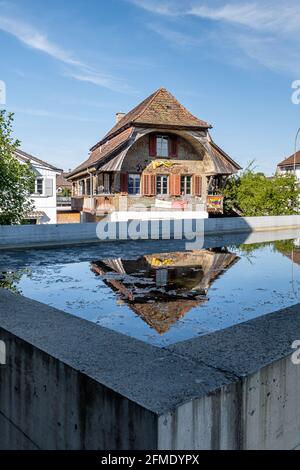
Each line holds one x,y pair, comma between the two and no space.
186,184
134,183
39,186
162,184
162,146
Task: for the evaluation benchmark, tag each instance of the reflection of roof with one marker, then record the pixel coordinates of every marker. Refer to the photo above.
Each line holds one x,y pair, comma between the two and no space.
161,302
162,315
290,160
293,255
25,157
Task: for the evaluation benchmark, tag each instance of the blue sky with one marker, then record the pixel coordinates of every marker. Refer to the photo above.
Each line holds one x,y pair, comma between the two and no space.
70,66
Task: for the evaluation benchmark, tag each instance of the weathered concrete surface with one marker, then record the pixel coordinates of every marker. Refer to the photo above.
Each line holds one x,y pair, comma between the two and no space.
267,395
13,438
64,234
70,384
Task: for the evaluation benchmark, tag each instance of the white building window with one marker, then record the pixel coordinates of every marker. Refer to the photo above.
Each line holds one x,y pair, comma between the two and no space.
162,185
186,185
39,186
162,146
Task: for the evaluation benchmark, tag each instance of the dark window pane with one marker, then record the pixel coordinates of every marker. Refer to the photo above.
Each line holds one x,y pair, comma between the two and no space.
134,184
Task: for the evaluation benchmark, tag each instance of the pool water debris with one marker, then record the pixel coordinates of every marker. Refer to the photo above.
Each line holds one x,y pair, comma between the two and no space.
158,292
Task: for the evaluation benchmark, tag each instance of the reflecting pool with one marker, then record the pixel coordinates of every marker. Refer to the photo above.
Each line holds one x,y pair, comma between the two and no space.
156,291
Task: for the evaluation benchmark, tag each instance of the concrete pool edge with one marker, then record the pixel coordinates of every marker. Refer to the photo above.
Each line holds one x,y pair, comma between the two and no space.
30,236
194,394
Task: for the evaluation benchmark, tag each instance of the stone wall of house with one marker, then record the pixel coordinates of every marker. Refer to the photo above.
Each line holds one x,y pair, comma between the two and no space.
189,161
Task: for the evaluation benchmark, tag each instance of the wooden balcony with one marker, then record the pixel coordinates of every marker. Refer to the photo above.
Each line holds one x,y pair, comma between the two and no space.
77,203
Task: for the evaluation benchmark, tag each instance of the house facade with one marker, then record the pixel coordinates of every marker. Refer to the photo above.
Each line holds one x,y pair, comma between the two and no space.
44,196
289,165
158,157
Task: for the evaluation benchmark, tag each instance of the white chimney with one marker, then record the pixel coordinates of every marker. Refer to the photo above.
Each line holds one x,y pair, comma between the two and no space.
119,116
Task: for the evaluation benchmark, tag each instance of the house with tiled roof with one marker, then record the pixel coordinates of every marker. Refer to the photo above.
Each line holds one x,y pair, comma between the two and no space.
44,194
290,164
159,156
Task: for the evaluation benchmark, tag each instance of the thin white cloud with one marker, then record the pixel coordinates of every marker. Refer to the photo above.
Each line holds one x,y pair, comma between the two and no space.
52,115
85,74
36,40
266,15
78,70
175,37
265,32
263,16
157,6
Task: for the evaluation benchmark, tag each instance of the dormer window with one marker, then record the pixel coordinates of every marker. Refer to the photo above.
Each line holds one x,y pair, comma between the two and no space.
163,146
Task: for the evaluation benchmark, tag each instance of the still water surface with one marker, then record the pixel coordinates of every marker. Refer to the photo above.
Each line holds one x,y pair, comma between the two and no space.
156,291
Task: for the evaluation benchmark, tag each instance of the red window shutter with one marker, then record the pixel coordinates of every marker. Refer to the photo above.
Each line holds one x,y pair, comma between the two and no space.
145,185
152,146
175,183
124,183
173,146
152,185
198,185
149,185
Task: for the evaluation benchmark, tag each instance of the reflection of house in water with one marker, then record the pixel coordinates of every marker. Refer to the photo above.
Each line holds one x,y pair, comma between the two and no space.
162,288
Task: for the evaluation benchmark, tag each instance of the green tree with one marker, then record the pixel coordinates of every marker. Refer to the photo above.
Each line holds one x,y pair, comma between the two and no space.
66,192
253,194
16,179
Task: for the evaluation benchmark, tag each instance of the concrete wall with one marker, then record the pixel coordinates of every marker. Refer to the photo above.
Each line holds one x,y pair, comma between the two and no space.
26,235
44,404
70,384
260,412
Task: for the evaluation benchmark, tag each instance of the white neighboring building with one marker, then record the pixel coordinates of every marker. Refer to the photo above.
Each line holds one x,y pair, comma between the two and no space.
44,197
288,165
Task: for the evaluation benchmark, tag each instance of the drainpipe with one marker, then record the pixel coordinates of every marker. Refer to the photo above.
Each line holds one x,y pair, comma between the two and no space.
91,182
91,185
295,153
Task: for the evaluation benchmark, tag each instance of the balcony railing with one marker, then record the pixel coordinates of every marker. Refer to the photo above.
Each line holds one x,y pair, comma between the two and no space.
63,200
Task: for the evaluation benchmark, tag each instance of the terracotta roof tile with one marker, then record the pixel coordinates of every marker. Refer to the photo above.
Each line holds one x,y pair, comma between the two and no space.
160,108
62,181
104,150
223,162
290,160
